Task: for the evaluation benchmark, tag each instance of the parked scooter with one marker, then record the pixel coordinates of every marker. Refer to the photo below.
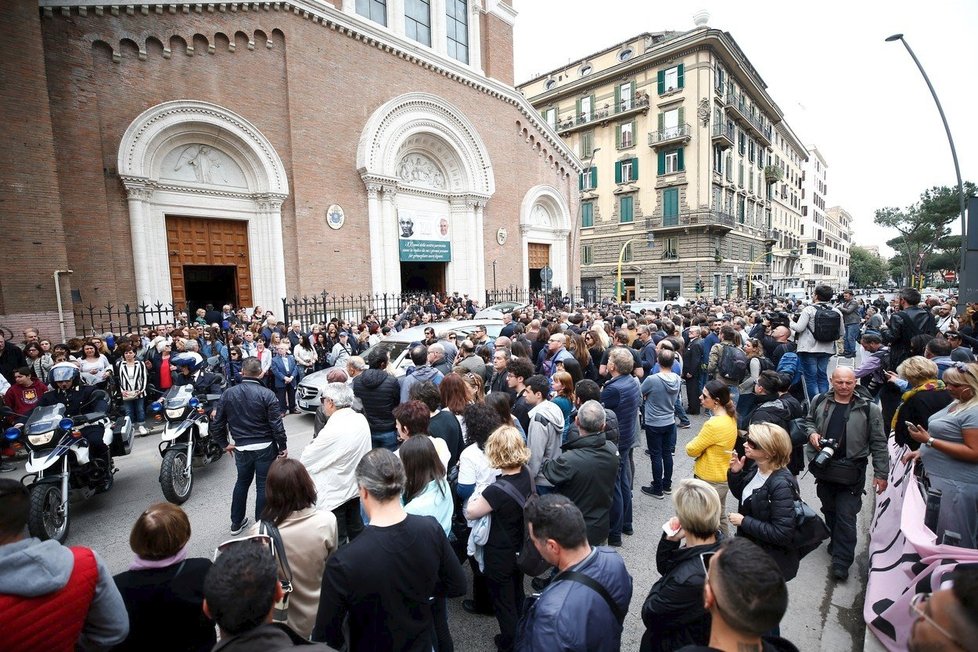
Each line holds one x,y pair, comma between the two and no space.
59,467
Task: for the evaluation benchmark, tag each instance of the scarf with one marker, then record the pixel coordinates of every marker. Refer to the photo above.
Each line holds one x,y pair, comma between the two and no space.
145,564
932,384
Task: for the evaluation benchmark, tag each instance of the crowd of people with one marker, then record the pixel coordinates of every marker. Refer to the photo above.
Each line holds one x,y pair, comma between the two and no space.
506,451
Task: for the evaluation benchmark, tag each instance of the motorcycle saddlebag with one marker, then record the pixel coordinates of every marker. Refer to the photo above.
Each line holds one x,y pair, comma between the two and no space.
122,434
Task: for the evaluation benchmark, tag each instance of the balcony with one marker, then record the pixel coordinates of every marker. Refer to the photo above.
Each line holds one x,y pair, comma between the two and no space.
773,174
678,135
713,221
737,105
637,104
723,135
770,236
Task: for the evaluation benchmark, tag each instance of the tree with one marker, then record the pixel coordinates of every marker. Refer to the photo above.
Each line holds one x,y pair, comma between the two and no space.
866,269
923,228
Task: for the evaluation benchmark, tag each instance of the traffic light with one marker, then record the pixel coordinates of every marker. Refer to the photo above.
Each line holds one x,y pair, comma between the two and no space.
699,286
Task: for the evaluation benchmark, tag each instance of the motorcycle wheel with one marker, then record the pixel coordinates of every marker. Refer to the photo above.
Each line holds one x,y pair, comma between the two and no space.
45,519
176,477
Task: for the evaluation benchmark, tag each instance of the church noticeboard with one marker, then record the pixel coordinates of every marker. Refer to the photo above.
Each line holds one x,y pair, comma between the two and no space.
423,237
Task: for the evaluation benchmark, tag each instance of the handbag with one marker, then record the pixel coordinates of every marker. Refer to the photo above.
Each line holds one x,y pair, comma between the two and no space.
810,529
129,394
844,472
280,613
528,559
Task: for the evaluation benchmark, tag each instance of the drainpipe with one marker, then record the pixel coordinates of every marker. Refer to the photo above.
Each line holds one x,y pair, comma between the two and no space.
57,291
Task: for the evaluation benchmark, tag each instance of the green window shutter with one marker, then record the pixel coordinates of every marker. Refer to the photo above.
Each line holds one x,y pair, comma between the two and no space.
682,117
662,81
587,214
617,136
635,169
580,182
679,76
625,210
617,98
662,162
680,165
617,171
594,107
594,177
662,122
578,113
632,90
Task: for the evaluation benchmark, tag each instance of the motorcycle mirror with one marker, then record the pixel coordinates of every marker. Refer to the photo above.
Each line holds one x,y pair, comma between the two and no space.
157,406
11,433
66,424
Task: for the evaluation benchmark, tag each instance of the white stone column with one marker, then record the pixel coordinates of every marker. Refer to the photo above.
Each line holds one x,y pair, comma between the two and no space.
475,35
476,210
439,27
559,260
395,16
376,237
391,262
140,194
273,282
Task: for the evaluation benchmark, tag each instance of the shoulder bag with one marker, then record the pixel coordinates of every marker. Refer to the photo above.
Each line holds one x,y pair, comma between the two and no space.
281,609
810,529
528,559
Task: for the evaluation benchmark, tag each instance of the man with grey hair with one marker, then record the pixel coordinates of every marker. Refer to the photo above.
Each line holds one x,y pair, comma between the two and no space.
447,341
332,457
438,359
586,471
355,365
385,601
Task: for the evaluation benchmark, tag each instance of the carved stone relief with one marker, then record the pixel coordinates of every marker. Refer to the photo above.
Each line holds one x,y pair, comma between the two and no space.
419,170
204,164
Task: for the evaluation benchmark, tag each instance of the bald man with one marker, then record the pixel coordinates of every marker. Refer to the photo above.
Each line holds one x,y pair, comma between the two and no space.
947,619
847,416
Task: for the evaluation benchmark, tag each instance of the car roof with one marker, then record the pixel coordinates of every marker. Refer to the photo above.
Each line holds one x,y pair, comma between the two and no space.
416,333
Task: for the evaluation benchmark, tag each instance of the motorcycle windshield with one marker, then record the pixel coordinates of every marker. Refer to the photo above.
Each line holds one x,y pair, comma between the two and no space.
178,397
44,419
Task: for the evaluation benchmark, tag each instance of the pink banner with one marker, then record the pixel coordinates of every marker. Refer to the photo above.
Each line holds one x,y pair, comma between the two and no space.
904,558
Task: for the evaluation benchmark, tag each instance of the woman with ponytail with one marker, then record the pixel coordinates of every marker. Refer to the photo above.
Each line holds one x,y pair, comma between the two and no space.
712,447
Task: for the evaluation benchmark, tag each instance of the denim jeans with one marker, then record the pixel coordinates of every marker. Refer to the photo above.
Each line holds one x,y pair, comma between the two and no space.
662,445
136,409
852,337
621,503
815,369
680,411
252,465
386,440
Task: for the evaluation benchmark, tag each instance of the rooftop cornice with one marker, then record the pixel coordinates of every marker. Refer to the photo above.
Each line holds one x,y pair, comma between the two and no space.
324,13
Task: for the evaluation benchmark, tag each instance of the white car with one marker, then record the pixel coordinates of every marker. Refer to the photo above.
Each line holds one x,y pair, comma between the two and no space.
397,345
639,306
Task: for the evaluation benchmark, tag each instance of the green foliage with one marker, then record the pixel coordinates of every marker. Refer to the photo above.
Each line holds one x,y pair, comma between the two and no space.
924,231
866,269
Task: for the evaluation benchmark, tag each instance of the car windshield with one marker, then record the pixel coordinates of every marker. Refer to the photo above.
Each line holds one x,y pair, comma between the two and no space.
45,419
177,397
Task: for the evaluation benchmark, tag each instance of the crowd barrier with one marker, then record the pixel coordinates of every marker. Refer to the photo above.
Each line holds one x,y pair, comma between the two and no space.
904,557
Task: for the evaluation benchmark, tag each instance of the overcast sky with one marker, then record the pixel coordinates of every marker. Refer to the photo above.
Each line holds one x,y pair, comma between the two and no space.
860,100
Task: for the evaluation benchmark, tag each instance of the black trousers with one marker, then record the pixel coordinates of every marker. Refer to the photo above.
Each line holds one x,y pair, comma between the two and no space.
840,505
348,521
693,392
508,596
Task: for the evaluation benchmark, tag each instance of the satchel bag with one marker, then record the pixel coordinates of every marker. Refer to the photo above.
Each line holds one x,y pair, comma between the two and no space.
280,613
843,472
810,529
528,559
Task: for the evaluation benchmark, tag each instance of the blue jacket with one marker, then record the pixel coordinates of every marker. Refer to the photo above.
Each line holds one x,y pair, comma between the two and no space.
571,616
279,373
622,396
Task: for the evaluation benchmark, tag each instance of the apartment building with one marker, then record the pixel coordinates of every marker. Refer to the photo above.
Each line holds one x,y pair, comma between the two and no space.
787,167
676,132
838,240
821,241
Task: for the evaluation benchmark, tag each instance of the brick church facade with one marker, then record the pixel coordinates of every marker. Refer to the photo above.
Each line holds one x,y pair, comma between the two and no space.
244,152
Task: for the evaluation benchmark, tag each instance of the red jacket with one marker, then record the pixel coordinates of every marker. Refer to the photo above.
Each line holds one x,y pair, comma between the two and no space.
23,400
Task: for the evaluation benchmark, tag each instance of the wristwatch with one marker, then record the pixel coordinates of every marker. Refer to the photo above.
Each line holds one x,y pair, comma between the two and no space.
930,442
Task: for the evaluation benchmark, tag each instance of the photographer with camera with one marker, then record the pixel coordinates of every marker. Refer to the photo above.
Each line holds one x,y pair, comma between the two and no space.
844,427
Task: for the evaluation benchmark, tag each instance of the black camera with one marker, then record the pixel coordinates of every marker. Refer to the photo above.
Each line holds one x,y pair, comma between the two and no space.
829,447
777,318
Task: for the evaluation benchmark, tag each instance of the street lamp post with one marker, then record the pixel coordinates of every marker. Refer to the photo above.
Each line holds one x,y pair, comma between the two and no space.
580,208
954,156
619,287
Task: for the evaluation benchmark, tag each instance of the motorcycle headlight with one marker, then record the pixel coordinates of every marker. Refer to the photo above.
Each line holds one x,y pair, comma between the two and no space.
156,406
40,440
174,414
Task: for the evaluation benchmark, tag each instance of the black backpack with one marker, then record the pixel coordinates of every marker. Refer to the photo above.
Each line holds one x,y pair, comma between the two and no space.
733,364
825,324
765,363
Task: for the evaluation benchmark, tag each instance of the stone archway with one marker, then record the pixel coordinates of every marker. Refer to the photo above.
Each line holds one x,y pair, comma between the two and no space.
422,160
545,221
199,160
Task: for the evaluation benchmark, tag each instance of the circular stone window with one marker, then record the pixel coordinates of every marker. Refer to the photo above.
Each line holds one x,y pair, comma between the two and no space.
585,70
550,84
625,55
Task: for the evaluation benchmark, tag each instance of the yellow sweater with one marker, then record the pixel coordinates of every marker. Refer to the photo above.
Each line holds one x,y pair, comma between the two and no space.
708,448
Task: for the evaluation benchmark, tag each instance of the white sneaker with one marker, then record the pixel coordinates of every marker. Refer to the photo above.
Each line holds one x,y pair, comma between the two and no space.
143,431
238,530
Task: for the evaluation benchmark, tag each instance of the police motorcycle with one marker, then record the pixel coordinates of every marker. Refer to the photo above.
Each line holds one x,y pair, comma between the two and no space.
186,440
60,467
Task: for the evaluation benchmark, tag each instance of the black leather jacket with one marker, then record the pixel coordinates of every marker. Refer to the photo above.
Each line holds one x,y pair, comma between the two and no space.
901,331
250,411
769,515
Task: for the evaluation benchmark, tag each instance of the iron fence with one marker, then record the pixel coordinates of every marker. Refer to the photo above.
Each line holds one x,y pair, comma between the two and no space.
116,318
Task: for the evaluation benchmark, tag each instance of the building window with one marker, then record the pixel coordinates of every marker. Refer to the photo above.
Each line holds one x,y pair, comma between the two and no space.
587,144
719,76
741,212
626,171
670,79
417,21
718,159
589,179
625,94
671,123
625,55
670,207
585,70
626,255
626,135
375,10
550,115
587,214
741,142
740,175
671,161
584,108
550,84
750,150
586,256
457,24
671,248
626,213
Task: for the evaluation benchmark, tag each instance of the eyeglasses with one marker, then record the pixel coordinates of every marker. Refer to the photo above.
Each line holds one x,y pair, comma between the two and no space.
753,444
917,610
262,540
964,368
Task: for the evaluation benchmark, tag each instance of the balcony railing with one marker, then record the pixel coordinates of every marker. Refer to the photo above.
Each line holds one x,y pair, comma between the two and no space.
739,104
770,236
640,101
711,220
670,135
723,135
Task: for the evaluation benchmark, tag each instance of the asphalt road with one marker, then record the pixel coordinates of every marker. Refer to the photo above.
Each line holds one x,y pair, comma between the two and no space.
822,615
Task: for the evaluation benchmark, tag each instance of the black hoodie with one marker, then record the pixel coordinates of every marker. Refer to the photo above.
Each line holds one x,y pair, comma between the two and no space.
380,393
